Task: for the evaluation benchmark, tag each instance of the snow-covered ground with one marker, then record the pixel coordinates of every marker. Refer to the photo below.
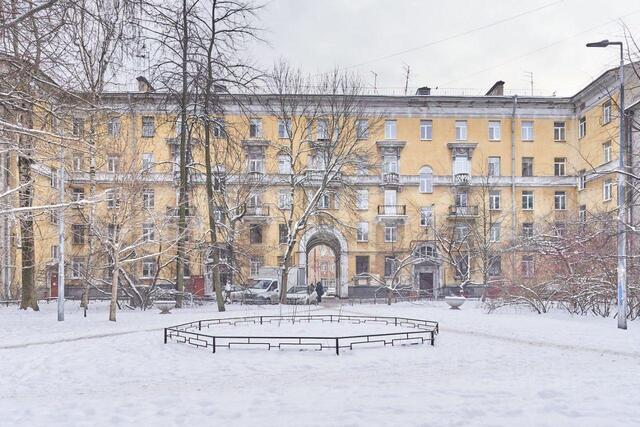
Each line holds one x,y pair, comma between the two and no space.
499,369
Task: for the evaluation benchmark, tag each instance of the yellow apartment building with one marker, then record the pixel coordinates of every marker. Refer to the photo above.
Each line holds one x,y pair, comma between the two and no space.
510,165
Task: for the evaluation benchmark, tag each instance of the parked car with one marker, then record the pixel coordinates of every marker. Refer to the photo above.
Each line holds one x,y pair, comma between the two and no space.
300,295
262,291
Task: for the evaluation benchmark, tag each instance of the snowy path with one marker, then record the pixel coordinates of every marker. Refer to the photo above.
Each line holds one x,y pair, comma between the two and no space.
488,370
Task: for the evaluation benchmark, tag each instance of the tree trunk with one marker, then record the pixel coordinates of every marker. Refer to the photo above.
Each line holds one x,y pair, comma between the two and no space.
25,195
114,287
92,214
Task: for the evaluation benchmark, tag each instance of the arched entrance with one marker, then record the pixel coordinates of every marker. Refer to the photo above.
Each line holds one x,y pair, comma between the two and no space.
331,238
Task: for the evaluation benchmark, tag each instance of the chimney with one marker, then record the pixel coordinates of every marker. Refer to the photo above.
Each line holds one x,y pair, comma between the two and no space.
423,91
144,85
496,90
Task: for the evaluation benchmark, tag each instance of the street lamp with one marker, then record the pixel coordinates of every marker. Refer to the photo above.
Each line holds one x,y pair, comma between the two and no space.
622,209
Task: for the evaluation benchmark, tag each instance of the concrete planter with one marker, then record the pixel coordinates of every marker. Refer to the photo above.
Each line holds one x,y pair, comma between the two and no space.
455,302
165,306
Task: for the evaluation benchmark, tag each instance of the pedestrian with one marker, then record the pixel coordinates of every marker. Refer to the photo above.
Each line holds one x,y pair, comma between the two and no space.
319,291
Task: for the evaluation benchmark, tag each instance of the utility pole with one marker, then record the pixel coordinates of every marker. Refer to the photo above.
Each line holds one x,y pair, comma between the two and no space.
530,75
61,241
622,195
375,82
407,70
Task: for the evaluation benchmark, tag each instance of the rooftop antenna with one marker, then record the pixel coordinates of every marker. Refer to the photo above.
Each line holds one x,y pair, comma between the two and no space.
407,71
530,75
375,81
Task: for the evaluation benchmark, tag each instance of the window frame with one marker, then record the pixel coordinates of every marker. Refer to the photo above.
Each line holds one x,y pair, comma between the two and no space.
495,132
461,128
560,200
390,233
426,130
560,131
362,232
391,129
527,195
526,138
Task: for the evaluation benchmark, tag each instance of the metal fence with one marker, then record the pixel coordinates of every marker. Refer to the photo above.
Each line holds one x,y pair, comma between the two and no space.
420,332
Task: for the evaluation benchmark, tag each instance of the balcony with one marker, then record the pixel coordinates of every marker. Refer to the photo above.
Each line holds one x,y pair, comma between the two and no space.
255,177
463,211
390,179
316,176
462,179
392,213
257,211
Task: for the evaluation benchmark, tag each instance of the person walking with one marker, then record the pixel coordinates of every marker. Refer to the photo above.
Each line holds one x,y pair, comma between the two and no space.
319,291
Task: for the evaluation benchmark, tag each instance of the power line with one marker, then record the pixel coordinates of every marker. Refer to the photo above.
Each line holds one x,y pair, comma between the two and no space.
464,33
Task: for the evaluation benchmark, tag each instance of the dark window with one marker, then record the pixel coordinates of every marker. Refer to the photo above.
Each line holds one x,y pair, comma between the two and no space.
389,265
255,233
283,233
78,234
527,166
362,264
495,265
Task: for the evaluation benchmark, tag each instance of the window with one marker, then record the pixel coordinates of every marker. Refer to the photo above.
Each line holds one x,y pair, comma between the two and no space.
255,163
494,232
78,163
362,199
390,129
147,162
461,130
607,190
558,131
186,267
148,126
390,164
560,228
460,232
362,264
55,183
559,166
77,194
218,128
54,216
425,216
560,200
527,166
527,200
461,263
255,233
111,198
78,126
582,127
362,129
461,164
113,127
77,231
494,200
426,130
322,130
390,265
148,269
284,164
284,128
362,232
526,130
148,198
283,233
494,166
55,252
77,267
527,266
582,180
113,232
582,214
494,130
426,180
255,263
284,199
147,232
390,233
324,202
425,251
527,229
606,112
255,128
606,152
113,163
324,266
495,266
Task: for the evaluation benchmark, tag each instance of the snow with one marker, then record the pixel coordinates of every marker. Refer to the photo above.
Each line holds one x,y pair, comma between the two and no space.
500,369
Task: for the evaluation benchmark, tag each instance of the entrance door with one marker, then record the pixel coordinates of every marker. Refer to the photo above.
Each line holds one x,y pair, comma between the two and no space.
53,293
426,282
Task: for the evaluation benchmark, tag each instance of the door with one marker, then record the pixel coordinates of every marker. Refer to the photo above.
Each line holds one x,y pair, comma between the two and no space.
426,282
53,292
389,202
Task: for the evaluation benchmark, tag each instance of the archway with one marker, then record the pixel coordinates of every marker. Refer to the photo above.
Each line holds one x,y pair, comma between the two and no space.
331,238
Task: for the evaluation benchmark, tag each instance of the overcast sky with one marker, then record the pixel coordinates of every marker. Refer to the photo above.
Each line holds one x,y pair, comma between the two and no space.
450,43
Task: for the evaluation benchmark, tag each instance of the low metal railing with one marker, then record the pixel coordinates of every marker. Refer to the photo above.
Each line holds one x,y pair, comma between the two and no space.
191,333
391,210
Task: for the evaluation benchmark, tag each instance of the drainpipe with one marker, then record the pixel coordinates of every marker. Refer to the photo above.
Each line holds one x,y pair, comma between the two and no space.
513,167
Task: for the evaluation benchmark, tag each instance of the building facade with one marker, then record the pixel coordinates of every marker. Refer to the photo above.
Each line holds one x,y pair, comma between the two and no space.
443,168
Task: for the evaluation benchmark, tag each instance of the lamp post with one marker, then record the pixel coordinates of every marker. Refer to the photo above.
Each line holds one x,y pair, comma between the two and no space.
622,209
